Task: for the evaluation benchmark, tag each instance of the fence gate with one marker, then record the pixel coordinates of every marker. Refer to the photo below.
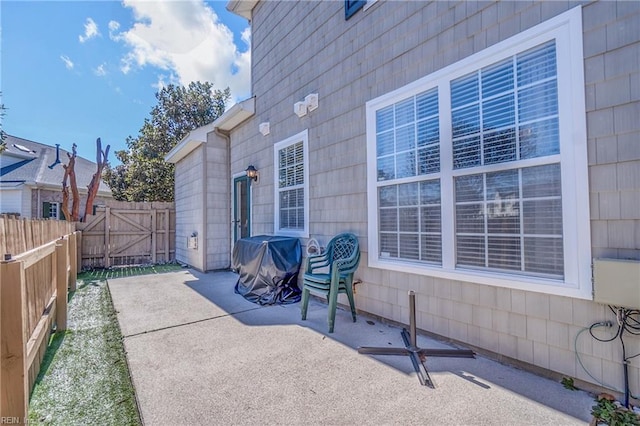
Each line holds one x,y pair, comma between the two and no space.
128,234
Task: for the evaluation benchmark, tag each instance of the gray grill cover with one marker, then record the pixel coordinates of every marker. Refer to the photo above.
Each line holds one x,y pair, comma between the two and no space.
268,267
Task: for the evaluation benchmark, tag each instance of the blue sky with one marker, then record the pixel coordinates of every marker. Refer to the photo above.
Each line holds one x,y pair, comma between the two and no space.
72,71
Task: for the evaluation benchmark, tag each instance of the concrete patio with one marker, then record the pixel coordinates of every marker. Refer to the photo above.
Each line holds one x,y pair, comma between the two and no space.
201,354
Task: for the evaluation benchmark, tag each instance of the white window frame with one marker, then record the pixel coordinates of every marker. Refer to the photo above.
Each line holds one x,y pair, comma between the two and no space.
566,29
57,210
304,138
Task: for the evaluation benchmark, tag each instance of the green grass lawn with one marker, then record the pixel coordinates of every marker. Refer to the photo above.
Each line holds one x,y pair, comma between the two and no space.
84,379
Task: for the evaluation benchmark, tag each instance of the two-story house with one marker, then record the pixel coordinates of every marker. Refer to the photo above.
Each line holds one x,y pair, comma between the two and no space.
486,154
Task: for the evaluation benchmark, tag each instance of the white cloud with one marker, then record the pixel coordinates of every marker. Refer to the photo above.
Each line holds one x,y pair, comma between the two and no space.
101,71
113,27
90,31
67,62
188,43
162,81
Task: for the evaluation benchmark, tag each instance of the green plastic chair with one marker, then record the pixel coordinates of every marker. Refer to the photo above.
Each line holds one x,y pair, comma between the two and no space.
341,257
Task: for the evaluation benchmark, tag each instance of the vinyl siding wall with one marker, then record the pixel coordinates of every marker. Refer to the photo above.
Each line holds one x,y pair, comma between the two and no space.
188,200
307,47
218,203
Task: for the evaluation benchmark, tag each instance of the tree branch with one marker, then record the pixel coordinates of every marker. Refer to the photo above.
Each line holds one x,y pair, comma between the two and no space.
93,187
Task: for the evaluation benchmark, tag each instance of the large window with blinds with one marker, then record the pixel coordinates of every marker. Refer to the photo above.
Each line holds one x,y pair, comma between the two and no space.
291,188
508,216
478,172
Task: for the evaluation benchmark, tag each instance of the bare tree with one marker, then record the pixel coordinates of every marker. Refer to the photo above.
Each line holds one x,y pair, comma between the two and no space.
101,160
69,172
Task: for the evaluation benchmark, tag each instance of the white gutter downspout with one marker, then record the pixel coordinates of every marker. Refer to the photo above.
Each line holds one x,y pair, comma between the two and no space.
227,136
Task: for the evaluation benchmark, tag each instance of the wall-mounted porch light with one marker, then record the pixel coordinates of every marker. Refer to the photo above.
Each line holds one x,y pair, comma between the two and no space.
252,173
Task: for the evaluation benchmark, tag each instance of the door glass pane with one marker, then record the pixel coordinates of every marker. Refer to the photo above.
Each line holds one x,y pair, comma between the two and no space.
241,209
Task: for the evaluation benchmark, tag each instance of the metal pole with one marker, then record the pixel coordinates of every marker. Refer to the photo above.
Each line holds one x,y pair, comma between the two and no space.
412,319
411,348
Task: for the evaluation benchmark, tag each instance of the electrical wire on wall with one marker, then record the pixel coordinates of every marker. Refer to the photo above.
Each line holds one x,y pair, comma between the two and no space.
627,320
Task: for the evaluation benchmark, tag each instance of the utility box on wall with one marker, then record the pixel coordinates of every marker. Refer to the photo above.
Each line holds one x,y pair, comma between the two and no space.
617,282
192,242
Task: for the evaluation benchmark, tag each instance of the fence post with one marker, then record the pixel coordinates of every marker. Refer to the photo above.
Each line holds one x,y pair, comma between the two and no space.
154,236
167,226
73,261
107,237
62,281
15,381
79,251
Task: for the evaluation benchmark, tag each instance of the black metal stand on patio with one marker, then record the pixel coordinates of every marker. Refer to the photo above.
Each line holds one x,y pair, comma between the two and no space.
413,351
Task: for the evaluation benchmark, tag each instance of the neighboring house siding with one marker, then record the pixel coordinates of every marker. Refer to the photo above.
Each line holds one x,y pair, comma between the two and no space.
39,196
308,47
12,201
26,202
188,200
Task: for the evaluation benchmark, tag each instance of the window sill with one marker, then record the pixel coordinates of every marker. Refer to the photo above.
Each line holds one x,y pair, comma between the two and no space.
512,281
292,233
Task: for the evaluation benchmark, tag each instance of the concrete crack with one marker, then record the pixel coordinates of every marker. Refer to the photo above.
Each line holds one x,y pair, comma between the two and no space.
191,322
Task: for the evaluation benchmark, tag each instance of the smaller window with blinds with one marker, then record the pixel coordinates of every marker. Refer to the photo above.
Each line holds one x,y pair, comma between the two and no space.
410,223
511,220
291,198
408,148
507,111
408,137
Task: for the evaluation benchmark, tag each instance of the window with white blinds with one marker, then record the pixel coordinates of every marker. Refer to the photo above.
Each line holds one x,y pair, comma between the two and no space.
504,113
507,111
408,148
410,226
290,159
479,171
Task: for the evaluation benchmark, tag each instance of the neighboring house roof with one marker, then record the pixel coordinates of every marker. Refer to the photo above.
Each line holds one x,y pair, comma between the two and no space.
226,122
28,162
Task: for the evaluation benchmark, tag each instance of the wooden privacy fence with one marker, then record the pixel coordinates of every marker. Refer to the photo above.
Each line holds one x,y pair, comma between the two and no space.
129,234
33,296
19,235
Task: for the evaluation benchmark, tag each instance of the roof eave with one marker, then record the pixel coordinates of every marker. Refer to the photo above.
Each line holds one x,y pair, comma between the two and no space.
236,115
226,122
22,155
184,148
242,8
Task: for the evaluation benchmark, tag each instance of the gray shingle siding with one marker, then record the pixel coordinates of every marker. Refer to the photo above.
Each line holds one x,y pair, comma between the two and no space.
307,47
